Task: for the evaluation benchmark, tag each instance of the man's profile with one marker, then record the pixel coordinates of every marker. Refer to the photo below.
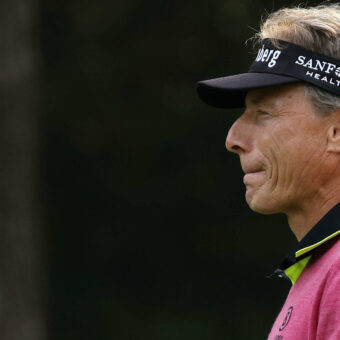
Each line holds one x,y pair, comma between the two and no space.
288,141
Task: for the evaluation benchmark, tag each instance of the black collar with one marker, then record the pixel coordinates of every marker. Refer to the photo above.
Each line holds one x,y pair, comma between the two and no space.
327,228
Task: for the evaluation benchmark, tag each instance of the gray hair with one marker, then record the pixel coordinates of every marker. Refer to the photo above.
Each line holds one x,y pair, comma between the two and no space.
314,28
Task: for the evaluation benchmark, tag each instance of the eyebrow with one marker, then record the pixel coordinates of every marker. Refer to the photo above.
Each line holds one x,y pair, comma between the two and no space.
255,99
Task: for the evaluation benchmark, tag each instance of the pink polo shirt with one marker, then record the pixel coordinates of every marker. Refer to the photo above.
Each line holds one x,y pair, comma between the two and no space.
312,308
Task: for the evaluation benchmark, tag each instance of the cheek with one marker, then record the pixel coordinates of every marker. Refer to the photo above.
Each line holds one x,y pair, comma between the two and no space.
287,160
277,154
297,167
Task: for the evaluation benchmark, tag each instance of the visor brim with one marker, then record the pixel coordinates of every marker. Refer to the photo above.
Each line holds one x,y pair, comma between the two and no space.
230,92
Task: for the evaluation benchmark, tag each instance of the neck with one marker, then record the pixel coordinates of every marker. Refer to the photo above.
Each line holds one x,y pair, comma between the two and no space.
301,220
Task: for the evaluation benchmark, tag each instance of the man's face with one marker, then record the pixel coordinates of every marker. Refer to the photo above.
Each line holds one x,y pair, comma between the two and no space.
281,142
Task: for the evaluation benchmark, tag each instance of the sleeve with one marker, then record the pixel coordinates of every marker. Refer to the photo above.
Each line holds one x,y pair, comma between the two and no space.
329,310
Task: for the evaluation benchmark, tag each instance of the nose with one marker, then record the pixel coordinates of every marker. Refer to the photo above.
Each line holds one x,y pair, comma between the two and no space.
238,137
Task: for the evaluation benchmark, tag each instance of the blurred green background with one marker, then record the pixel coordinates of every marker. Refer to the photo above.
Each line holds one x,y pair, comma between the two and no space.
147,232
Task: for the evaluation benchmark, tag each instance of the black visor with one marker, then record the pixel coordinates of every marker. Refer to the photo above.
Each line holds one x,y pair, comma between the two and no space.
272,66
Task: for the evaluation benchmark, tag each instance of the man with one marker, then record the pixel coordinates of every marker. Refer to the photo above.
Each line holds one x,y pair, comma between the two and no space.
288,141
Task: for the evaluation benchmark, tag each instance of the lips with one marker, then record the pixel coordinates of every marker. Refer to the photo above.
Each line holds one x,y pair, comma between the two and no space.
253,172
255,177
249,169
247,172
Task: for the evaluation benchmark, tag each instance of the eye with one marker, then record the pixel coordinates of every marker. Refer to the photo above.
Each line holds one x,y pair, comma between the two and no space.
261,112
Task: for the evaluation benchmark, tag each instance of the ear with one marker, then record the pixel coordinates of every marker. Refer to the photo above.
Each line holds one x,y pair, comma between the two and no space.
333,138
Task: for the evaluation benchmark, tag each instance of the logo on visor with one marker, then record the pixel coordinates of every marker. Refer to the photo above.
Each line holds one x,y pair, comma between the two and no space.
337,72
319,69
266,55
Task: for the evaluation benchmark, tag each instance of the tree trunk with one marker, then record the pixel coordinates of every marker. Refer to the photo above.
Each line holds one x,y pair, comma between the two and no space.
22,315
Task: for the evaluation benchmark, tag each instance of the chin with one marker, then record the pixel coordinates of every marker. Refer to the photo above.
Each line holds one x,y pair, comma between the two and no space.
261,209
263,205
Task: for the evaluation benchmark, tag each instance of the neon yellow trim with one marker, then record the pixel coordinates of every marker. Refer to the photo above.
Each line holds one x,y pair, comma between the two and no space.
294,271
305,250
